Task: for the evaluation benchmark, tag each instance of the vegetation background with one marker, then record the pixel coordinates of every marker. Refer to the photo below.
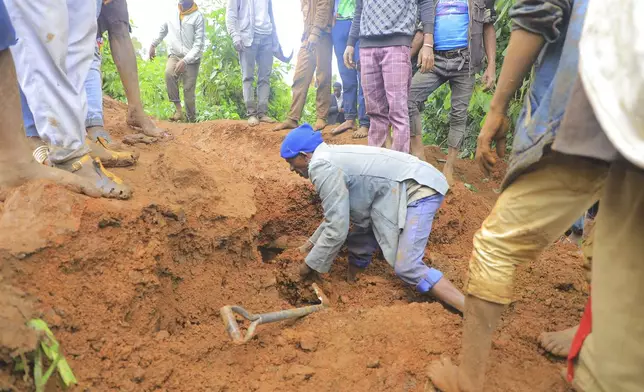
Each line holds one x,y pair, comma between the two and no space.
219,87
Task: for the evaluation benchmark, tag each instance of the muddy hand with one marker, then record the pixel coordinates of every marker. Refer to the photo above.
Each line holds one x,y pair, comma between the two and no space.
494,129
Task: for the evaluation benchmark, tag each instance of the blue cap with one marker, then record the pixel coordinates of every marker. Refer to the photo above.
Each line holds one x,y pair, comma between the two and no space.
301,139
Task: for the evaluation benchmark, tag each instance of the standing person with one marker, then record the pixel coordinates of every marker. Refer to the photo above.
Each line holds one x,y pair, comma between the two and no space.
53,58
389,197
251,26
336,111
461,36
561,164
385,41
15,159
353,102
187,37
115,19
314,56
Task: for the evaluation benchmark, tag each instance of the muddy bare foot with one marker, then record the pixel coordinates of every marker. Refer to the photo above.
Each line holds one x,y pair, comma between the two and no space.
15,174
92,171
138,138
306,248
444,375
448,172
265,119
319,124
146,125
361,133
287,124
558,343
345,126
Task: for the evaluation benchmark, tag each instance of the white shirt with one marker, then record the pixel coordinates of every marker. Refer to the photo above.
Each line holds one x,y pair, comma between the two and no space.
612,70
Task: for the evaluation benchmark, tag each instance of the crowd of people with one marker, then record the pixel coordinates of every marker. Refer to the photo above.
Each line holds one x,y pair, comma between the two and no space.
578,140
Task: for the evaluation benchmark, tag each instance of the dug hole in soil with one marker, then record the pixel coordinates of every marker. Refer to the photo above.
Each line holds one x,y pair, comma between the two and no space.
132,289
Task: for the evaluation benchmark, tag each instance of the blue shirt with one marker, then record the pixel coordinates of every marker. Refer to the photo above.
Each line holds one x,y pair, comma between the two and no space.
451,24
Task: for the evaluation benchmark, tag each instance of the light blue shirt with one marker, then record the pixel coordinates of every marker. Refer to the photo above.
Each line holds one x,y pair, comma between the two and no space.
365,186
451,24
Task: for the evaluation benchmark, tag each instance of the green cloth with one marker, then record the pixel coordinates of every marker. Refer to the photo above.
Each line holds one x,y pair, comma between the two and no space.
346,9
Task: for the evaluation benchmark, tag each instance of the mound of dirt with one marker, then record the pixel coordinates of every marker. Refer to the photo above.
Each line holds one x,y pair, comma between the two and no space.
132,289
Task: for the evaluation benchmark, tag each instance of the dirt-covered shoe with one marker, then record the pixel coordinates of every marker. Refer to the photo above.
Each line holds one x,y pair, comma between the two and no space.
287,124
90,169
177,116
319,124
253,121
265,119
100,148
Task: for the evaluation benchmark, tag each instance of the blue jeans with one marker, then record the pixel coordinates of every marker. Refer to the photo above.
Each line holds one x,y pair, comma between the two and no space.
351,87
94,91
409,265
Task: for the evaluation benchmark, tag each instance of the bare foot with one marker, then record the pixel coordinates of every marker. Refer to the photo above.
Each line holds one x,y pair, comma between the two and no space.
138,138
177,116
448,172
253,121
15,174
146,125
361,133
345,126
558,343
319,124
287,124
352,273
265,119
444,375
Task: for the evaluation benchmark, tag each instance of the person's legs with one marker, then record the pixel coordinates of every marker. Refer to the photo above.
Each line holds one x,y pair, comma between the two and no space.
529,215
363,119
264,70
323,75
247,61
115,19
189,86
375,95
422,86
340,34
304,70
409,265
361,245
462,85
172,86
612,356
396,73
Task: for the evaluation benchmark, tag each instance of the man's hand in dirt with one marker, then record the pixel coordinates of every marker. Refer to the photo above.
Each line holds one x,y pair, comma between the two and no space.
489,77
312,42
348,57
494,129
153,52
180,67
426,59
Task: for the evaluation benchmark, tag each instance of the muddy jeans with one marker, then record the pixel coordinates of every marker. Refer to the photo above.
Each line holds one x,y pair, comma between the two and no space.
409,265
308,63
453,67
189,78
260,53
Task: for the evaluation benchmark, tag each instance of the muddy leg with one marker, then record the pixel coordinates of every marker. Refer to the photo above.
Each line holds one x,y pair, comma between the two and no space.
448,170
17,164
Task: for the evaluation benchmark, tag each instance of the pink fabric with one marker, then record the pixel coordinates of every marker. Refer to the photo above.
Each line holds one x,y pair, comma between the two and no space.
386,79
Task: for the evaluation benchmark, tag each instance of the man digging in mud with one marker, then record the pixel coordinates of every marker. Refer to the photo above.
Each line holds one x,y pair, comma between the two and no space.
391,199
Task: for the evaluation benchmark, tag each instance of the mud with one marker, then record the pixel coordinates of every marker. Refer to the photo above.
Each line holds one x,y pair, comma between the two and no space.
132,289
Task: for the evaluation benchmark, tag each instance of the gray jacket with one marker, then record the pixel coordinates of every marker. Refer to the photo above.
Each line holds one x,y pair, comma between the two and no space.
187,36
364,186
239,23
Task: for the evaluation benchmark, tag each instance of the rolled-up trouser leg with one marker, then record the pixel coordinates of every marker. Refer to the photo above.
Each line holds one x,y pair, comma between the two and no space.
190,76
361,244
462,85
530,214
409,265
612,356
53,58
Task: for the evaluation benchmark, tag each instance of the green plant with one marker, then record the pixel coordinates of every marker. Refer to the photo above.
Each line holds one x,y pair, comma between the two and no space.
49,348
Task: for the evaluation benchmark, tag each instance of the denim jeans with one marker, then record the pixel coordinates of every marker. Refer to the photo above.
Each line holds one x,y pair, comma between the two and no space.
351,88
409,265
94,91
260,53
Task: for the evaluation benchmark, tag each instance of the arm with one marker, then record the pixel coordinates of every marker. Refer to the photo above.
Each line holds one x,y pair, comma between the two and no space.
232,19
417,43
330,184
197,47
427,16
354,33
323,9
163,31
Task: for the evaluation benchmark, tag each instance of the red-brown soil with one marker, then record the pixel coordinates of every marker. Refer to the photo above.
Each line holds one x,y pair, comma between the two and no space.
132,289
